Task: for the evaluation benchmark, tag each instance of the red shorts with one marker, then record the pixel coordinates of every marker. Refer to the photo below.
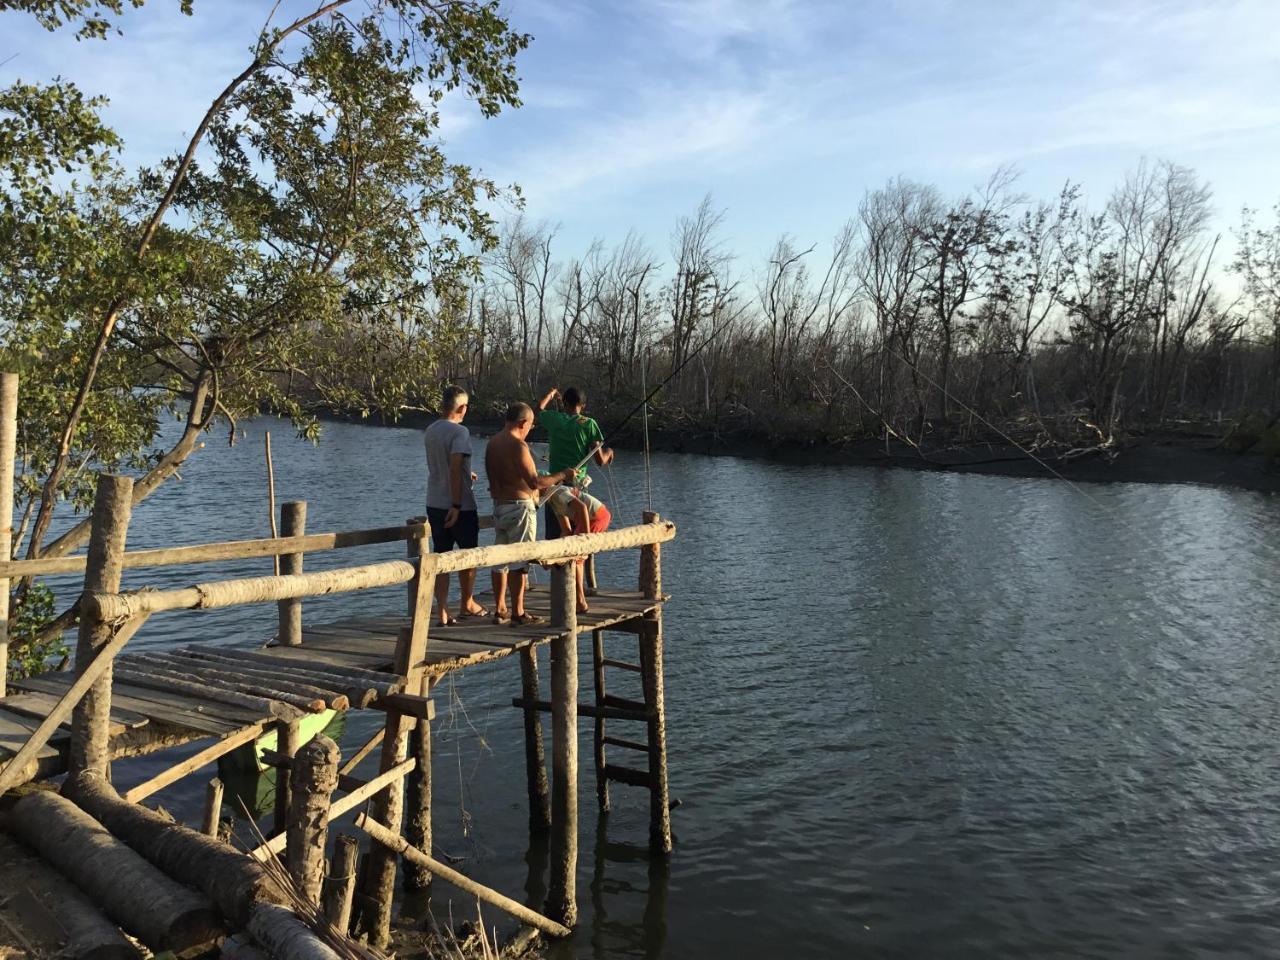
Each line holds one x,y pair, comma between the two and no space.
599,523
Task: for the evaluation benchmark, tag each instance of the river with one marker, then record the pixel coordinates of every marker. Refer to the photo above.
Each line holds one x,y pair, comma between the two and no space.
909,714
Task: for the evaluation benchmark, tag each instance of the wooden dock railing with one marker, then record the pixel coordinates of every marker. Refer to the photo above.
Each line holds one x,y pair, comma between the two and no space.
110,617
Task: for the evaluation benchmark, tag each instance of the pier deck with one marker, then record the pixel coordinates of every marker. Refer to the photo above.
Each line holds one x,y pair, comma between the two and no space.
147,716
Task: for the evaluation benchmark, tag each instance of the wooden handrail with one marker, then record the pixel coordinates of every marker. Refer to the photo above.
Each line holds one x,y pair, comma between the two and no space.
226,593
227,550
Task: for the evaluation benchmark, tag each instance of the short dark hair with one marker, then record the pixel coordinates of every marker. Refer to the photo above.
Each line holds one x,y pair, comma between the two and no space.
449,398
519,412
574,397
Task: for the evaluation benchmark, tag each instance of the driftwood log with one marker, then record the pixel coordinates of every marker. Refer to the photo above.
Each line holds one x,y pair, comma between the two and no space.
285,936
160,912
230,879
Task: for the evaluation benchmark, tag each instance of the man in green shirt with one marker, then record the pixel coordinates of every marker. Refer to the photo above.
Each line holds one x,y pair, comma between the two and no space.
572,436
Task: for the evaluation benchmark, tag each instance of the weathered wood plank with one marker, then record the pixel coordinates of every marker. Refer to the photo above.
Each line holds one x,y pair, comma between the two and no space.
163,712
14,733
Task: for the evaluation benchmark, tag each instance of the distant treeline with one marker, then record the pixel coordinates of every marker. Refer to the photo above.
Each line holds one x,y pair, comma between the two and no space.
922,318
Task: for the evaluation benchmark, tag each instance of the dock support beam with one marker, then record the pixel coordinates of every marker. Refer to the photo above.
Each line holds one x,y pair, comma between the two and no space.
418,801
535,759
562,898
597,669
293,523
91,720
651,672
387,808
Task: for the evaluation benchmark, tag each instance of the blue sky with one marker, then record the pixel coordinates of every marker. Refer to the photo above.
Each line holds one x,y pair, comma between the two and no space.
786,111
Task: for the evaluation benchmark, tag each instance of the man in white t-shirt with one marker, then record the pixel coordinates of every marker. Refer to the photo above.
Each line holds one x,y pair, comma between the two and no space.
451,505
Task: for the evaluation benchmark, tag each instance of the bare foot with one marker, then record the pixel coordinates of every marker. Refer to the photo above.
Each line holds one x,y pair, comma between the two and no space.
474,609
582,605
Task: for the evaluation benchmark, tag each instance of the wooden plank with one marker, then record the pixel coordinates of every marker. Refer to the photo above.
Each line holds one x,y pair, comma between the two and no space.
14,733
39,705
184,705
44,702
149,708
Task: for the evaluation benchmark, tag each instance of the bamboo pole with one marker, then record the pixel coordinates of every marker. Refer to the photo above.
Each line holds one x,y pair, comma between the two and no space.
313,776
490,896
562,898
219,748
8,454
14,770
212,808
651,672
535,758
293,523
91,719
225,593
340,884
271,499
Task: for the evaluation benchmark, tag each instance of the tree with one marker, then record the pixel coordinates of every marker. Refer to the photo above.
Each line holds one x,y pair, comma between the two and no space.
320,256
1258,265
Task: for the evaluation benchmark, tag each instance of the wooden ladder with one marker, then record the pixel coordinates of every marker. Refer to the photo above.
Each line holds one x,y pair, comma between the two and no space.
650,710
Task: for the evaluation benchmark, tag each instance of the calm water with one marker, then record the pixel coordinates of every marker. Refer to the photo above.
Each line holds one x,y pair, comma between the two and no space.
909,714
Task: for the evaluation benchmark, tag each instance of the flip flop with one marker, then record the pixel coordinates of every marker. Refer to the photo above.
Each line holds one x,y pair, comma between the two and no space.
473,614
527,619
500,618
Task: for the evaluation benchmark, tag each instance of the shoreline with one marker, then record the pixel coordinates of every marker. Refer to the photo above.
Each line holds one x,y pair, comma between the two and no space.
1156,458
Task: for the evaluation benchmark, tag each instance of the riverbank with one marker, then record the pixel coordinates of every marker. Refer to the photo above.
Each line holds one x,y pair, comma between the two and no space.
1187,456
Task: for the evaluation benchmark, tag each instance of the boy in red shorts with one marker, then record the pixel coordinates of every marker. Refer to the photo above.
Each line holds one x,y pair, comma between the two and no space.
578,512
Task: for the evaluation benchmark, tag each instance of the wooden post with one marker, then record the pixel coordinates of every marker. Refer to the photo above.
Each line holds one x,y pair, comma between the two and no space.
535,759
8,452
91,719
340,885
388,807
562,898
413,549
293,523
313,777
418,802
651,672
287,736
212,807
597,664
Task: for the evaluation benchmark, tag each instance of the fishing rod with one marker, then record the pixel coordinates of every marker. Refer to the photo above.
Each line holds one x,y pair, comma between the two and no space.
654,392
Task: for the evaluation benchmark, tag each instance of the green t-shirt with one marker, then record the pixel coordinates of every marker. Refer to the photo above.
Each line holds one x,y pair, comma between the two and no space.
571,435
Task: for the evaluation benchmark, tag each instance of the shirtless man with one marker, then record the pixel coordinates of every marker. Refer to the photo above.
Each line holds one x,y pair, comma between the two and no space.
515,486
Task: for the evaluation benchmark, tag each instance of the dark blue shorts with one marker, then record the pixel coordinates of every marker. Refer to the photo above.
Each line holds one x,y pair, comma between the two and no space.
465,533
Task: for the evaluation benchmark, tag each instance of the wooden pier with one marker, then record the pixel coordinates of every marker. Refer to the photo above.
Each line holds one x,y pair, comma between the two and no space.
119,703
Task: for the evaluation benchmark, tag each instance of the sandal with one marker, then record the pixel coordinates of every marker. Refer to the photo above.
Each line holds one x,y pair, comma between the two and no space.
472,614
501,617
527,619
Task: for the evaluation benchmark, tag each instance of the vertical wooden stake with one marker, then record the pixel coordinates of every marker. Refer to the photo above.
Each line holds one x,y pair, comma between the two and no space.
535,759
340,885
562,897
288,734
91,720
597,663
589,576
388,806
418,799
312,779
212,807
8,453
293,523
271,499
413,549
651,672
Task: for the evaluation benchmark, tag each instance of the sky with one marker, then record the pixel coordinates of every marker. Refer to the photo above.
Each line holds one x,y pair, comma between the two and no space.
785,111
